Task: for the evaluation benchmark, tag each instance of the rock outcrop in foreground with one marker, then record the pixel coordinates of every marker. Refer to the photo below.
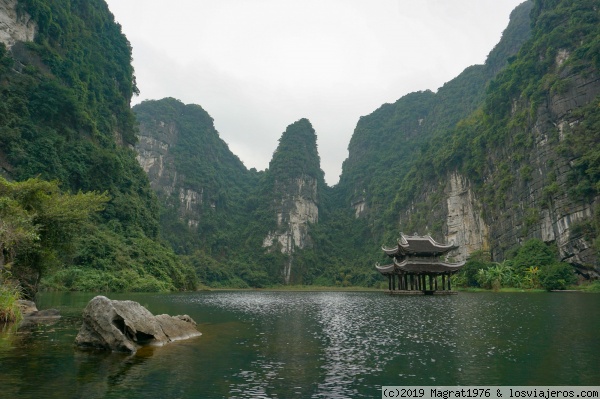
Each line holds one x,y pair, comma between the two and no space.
125,326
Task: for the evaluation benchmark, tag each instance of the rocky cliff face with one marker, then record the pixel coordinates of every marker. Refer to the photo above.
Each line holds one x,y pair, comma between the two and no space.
153,155
386,143
295,210
155,142
539,202
190,168
544,204
464,221
15,26
533,185
514,168
294,179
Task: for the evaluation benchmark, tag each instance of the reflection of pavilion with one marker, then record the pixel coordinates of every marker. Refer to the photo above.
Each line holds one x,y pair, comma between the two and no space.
417,265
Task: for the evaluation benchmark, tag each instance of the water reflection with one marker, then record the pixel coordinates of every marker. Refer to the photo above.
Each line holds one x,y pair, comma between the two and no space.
316,345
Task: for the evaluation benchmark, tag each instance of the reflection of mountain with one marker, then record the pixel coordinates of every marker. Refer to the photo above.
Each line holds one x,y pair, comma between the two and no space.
319,345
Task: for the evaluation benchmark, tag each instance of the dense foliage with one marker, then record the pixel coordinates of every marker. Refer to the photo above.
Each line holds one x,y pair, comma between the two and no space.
38,228
201,163
296,155
533,266
493,145
489,134
223,248
65,116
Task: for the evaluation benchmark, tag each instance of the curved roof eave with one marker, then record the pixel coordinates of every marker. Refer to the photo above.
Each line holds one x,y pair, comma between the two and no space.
385,269
423,241
412,265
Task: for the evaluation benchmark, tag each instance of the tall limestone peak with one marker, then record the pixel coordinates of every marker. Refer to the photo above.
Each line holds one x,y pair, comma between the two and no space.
297,154
193,171
294,181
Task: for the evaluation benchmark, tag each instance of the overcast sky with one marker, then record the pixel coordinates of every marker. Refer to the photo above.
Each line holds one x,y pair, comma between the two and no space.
256,66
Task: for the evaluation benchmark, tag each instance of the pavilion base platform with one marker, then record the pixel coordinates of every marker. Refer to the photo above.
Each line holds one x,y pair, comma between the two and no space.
412,292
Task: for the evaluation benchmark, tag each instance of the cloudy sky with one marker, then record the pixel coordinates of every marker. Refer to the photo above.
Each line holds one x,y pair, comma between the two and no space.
257,66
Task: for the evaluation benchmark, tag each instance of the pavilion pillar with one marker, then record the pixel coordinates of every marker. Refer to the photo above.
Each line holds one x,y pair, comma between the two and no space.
389,282
443,282
449,286
393,282
435,278
430,282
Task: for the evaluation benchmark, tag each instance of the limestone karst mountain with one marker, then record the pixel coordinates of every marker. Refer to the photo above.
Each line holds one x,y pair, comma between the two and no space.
504,153
459,164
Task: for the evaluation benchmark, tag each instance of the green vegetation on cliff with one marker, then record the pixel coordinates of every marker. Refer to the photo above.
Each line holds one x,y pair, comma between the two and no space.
65,117
533,266
390,153
296,155
493,145
38,228
200,164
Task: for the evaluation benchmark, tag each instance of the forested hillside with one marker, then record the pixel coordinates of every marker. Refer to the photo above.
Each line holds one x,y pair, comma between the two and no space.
503,160
387,143
65,117
200,183
500,155
529,153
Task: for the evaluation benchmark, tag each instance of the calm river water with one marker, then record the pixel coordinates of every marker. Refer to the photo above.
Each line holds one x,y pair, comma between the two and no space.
315,345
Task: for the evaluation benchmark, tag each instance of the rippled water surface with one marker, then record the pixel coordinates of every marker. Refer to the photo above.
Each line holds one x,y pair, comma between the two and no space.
315,345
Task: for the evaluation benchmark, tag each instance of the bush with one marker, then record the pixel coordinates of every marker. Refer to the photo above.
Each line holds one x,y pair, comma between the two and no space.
533,253
498,276
467,277
557,276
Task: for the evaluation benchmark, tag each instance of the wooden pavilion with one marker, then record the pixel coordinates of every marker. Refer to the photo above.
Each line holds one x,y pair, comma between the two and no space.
417,268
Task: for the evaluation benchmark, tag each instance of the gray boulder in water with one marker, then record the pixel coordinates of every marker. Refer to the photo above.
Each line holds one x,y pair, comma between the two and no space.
125,326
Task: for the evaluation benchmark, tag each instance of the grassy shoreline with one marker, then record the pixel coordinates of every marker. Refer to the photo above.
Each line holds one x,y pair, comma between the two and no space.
10,311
